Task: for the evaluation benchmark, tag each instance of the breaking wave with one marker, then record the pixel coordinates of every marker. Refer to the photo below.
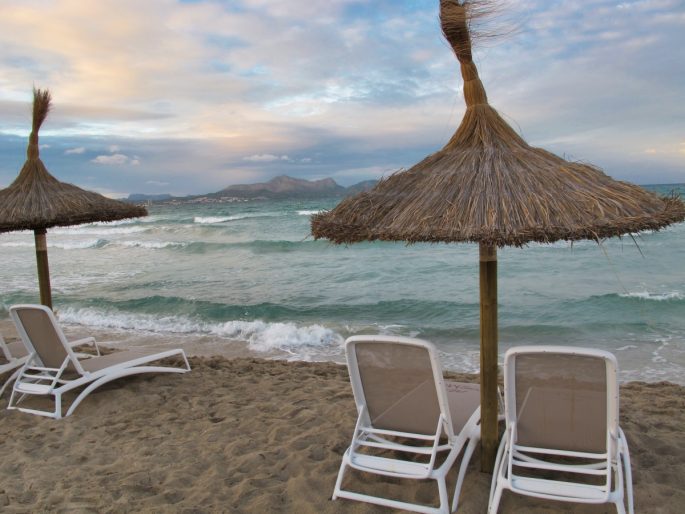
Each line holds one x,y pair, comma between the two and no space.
659,297
261,336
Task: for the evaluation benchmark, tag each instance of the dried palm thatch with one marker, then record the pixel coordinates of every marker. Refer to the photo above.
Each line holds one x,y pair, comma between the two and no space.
37,200
488,185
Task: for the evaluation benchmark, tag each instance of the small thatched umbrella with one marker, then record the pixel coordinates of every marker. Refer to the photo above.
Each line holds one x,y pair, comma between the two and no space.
37,201
487,185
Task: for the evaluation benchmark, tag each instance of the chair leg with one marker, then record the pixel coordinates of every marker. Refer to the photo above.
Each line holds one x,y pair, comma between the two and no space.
11,403
494,501
341,475
462,472
10,379
498,463
624,455
58,405
442,494
496,487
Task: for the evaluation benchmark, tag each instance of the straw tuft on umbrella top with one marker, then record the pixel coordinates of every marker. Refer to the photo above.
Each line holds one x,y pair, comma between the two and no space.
487,185
37,200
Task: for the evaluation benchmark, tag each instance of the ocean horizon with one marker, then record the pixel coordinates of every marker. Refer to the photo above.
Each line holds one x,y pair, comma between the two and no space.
217,277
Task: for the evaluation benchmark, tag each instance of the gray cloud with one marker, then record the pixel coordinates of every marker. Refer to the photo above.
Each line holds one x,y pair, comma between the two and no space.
208,94
265,157
116,159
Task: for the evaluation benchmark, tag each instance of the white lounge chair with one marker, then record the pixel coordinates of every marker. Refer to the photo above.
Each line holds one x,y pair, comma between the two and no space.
52,368
15,354
562,439
401,396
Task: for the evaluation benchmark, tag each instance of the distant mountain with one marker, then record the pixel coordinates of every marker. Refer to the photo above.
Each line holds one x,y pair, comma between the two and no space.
281,187
139,197
284,186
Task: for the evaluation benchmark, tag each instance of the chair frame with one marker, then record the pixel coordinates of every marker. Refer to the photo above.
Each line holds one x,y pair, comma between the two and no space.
34,378
510,454
18,362
365,435
13,363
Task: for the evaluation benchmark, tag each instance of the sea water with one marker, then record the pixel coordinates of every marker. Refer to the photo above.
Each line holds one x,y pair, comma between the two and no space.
250,274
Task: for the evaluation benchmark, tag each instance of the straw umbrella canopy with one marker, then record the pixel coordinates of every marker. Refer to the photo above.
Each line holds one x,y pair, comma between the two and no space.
37,201
488,186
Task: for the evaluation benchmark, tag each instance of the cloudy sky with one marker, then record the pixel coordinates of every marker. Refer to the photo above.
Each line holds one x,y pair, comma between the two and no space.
191,96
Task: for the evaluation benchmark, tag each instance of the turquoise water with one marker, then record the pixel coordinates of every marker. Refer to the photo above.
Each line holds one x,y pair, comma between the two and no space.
250,274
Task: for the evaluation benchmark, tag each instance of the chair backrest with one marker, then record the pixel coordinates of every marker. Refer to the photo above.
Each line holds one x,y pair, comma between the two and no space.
41,334
561,398
400,382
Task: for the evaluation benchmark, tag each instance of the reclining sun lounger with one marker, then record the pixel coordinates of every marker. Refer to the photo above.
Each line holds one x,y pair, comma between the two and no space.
15,354
52,368
562,439
406,408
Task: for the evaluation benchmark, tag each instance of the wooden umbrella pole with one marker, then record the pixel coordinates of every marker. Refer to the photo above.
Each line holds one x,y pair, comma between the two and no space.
488,357
43,269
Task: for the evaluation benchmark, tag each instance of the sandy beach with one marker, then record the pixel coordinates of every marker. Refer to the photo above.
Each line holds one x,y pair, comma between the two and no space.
257,183
255,435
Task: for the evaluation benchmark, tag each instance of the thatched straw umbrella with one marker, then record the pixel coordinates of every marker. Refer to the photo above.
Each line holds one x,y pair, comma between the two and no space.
488,186
37,201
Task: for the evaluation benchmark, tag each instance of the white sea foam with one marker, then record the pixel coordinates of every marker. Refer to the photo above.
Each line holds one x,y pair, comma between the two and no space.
100,318
390,329
259,335
659,297
102,229
265,337
307,213
18,244
151,244
79,245
64,245
131,221
209,220
98,243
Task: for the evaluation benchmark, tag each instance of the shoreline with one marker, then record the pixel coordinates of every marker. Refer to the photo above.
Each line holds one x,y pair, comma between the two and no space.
202,345
211,345
256,435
